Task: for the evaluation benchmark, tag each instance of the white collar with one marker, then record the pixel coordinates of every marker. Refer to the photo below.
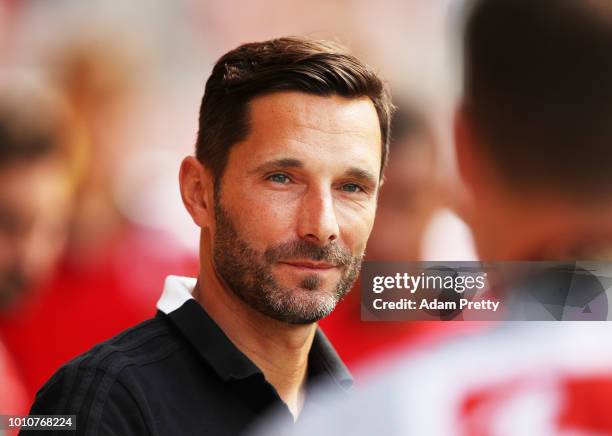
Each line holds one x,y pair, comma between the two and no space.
177,290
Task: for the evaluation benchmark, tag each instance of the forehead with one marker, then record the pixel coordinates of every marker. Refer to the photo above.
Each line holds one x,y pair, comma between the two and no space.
331,128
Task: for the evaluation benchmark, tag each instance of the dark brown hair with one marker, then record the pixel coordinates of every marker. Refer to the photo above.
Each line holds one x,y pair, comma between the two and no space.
538,88
283,64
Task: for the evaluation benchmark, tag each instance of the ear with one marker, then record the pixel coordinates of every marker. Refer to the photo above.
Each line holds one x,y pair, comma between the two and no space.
197,191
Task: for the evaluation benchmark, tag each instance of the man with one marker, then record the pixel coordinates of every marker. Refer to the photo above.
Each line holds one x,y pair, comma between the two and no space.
412,192
533,137
35,200
36,136
290,151
94,79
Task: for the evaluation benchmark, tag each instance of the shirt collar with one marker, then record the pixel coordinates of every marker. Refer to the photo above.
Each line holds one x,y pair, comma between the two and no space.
222,355
324,364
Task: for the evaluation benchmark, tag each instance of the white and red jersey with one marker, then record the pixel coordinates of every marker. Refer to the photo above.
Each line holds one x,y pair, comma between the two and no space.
523,378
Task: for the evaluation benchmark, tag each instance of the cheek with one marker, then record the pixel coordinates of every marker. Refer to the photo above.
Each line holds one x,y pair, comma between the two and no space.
264,219
355,226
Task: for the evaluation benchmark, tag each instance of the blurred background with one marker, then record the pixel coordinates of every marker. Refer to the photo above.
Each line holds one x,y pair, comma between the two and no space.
99,104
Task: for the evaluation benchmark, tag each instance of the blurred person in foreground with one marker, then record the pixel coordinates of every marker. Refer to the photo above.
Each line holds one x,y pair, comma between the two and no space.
108,273
533,138
35,202
408,199
290,152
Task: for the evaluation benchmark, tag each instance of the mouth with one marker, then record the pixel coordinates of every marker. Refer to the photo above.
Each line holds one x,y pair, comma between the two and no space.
311,266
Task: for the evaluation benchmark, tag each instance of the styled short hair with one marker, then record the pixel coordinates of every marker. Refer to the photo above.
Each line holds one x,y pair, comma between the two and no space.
284,64
538,90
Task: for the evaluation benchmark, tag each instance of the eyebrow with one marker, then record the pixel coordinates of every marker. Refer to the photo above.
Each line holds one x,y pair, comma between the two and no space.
286,162
361,174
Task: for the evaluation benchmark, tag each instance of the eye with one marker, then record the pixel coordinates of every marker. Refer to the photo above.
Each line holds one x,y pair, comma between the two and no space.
351,187
279,178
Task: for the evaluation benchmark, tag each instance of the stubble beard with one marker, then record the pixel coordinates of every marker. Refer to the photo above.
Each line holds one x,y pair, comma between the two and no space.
248,273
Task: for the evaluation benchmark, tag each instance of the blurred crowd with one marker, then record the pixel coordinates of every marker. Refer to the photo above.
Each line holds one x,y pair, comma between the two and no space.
75,268
98,105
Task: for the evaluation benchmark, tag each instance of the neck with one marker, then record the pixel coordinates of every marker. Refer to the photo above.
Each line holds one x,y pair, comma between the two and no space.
280,350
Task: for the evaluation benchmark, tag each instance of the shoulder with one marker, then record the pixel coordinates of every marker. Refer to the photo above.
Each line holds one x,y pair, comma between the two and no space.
91,386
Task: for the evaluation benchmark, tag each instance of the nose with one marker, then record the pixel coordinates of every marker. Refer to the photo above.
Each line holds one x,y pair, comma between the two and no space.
317,222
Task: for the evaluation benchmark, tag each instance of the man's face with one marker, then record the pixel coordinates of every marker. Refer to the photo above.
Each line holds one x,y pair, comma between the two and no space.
34,209
407,201
296,203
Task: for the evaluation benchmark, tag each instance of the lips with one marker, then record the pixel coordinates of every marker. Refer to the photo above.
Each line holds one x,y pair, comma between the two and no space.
310,264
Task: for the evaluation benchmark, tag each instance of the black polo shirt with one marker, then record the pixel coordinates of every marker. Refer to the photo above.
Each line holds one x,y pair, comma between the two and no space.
175,374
